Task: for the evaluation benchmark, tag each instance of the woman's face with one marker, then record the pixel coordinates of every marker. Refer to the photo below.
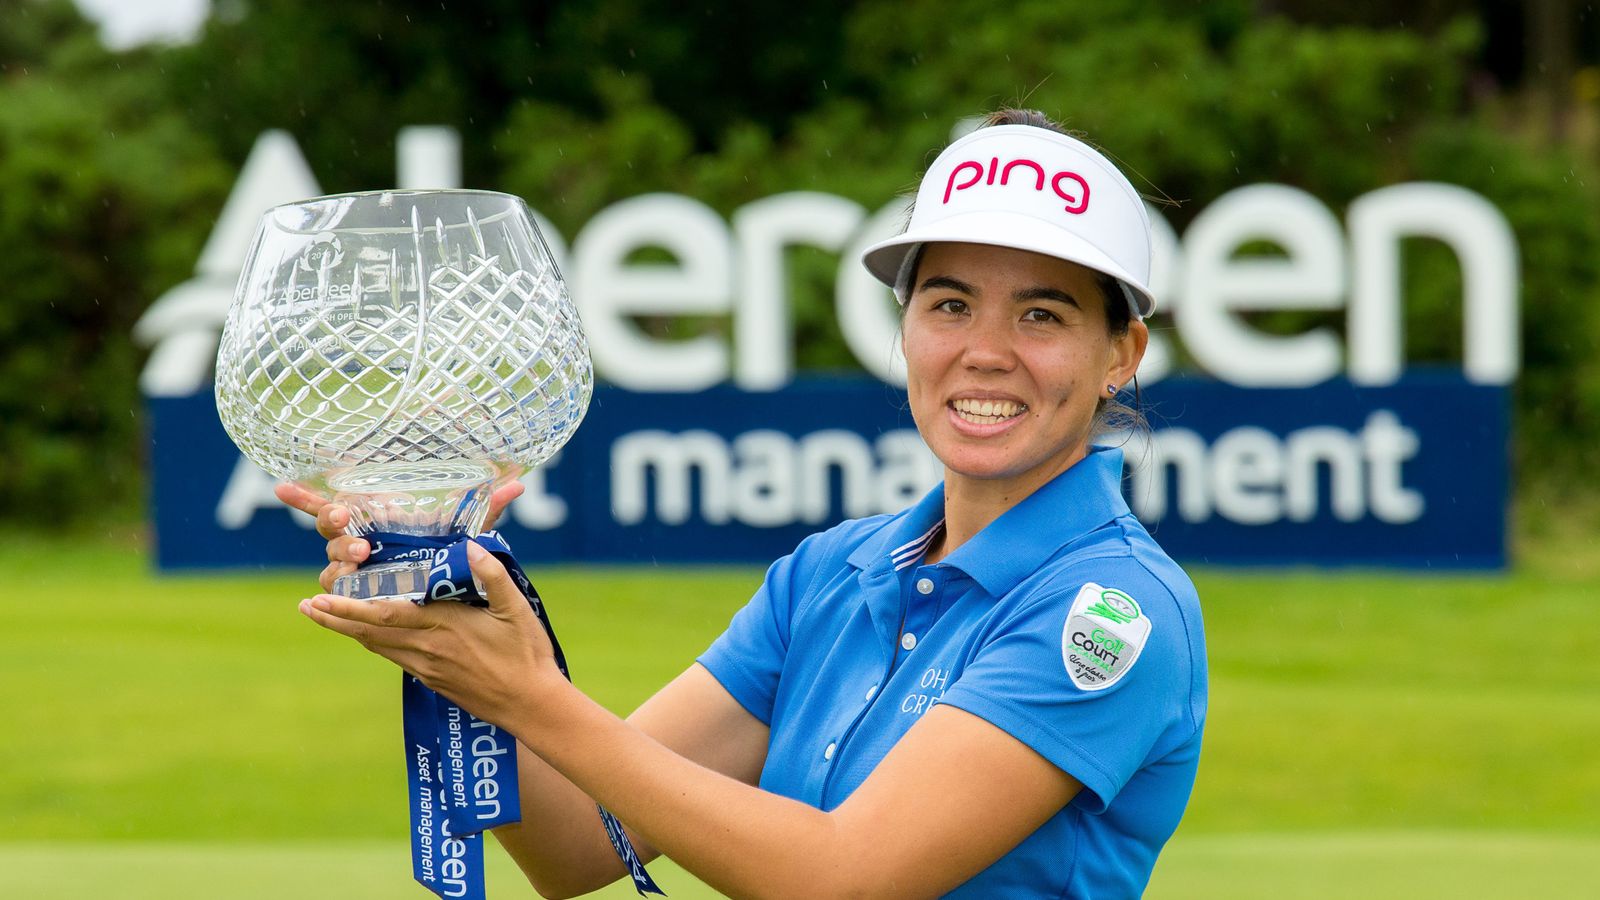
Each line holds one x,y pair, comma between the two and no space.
1008,354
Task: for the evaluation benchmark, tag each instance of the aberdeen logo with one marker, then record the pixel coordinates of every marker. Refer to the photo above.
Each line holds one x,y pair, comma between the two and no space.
1069,186
324,252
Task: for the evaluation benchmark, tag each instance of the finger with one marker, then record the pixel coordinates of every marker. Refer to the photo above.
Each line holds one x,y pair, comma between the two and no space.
298,497
502,498
334,571
348,548
386,612
504,598
332,519
396,644
365,633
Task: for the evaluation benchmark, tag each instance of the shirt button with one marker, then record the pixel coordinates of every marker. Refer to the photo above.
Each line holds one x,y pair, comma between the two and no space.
925,585
827,752
908,641
872,692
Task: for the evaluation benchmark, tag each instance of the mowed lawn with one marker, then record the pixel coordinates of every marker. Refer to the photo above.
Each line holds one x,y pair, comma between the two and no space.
1370,734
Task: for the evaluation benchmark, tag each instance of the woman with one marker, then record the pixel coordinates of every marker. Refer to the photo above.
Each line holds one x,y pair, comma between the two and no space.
997,692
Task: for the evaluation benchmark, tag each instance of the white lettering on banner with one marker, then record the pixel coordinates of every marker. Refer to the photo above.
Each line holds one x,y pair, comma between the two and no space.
427,157
1251,476
766,478
762,330
1487,250
738,271
1310,276
869,317
766,492
537,508
1166,263
182,326
250,489
609,293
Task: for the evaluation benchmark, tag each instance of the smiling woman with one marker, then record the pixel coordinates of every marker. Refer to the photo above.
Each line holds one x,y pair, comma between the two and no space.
1008,368
1015,640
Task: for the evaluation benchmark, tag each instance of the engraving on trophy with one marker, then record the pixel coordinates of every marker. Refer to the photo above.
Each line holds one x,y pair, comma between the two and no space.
324,252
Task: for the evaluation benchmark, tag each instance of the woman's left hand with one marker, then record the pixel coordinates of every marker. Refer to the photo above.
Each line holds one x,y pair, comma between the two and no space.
490,660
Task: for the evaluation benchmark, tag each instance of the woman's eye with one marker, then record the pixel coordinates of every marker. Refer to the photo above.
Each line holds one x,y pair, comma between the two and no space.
1040,315
951,306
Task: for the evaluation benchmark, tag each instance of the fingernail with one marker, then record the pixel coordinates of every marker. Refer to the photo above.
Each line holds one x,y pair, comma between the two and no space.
321,603
305,607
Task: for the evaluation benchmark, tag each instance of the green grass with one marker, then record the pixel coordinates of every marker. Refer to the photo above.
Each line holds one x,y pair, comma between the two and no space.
1373,866
1379,734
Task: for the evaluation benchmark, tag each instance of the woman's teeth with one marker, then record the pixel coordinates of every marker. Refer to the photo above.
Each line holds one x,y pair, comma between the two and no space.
987,412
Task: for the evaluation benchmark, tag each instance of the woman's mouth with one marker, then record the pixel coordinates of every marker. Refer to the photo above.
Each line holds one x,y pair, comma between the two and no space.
987,412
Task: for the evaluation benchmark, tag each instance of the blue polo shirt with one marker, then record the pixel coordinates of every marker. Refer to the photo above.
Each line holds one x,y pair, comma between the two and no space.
1062,623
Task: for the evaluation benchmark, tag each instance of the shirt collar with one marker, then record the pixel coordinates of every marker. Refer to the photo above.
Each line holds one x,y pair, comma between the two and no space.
904,538
1074,503
1084,497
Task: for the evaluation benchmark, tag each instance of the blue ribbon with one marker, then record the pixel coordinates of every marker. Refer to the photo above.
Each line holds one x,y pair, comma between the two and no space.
442,860
460,770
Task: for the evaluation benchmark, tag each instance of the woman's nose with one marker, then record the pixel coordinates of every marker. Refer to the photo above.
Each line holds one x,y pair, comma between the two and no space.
989,346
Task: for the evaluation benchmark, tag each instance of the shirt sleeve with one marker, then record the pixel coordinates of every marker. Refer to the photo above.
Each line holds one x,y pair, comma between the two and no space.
748,657
1101,735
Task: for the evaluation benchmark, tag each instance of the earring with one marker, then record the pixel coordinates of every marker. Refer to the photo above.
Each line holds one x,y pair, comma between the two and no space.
1111,390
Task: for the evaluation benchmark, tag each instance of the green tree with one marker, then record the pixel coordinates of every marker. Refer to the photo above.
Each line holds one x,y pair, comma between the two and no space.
105,195
342,77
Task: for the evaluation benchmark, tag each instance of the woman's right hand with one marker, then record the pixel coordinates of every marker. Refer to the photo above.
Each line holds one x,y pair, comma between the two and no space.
346,552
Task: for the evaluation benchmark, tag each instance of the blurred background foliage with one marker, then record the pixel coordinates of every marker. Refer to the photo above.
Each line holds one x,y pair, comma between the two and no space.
114,165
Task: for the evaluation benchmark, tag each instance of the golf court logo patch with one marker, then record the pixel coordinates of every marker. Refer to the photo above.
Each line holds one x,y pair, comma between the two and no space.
1104,634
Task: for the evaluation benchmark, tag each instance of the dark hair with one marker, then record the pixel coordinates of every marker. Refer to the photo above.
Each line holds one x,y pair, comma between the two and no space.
1111,414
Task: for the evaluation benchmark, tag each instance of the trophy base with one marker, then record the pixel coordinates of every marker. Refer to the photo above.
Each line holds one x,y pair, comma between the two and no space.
399,580
402,580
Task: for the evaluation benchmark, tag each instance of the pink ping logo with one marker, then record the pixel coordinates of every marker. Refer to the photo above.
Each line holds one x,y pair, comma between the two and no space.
1069,186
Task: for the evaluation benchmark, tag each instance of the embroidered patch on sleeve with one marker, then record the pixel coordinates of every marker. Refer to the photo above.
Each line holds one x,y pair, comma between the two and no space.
1105,631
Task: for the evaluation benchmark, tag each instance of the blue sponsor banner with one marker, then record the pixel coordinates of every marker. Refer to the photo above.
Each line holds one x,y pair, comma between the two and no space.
1411,474
1414,474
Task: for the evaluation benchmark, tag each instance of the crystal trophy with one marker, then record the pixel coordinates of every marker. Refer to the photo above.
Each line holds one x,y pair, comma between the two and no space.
403,353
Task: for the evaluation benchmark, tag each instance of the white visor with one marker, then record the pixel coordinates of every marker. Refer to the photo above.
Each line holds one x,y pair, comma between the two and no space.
1026,188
